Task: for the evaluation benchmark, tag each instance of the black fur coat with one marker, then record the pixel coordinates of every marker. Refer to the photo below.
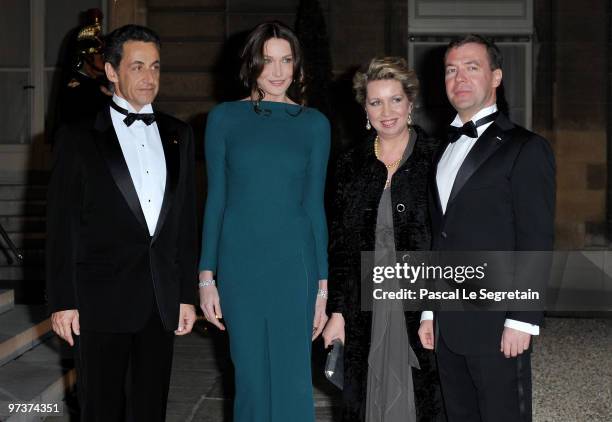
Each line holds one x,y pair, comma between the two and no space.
359,183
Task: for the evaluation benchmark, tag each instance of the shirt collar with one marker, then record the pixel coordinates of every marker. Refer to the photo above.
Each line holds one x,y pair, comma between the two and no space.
482,113
122,102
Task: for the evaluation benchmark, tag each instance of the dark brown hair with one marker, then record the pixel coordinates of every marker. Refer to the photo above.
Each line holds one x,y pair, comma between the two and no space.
496,60
253,59
113,46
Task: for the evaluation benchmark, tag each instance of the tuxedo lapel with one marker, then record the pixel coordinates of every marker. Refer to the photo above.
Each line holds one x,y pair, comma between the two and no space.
171,144
108,144
485,146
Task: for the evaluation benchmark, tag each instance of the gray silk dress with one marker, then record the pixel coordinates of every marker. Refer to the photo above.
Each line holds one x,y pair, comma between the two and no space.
390,390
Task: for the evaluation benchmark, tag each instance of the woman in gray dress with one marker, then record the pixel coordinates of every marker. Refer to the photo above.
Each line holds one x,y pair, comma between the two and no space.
381,206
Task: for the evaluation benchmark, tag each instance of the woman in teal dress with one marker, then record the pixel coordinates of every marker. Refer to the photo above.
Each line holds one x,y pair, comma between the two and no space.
265,233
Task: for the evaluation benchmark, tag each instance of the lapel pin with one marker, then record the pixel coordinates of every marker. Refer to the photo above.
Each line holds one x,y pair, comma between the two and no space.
499,139
174,141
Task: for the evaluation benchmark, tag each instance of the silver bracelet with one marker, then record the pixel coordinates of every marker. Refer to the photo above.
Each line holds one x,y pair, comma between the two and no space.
204,283
322,293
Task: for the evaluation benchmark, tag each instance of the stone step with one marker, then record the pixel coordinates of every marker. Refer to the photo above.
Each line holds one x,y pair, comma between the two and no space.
22,207
170,24
23,223
27,240
21,329
24,273
7,300
186,85
191,55
31,257
44,375
202,4
8,192
30,178
26,292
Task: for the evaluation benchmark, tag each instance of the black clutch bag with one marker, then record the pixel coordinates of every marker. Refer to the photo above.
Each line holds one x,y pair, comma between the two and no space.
334,366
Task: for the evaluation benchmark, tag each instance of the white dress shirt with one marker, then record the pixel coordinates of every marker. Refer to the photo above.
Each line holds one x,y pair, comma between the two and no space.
448,167
144,154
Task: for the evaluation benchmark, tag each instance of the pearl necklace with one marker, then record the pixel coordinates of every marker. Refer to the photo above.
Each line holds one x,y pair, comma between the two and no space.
388,166
377,154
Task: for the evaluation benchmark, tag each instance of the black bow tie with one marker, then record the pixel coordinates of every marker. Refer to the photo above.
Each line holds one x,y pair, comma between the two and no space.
469,129
147,118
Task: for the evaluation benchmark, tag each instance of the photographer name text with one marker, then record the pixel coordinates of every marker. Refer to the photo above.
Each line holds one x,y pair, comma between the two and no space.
457,294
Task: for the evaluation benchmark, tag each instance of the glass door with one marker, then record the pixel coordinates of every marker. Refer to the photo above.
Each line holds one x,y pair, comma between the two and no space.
16,87
32,34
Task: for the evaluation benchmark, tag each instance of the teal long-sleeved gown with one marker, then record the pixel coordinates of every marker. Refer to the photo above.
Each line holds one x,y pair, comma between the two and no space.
265,237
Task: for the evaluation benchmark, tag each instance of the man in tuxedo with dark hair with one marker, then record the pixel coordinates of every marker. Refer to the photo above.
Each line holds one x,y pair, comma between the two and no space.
121,239
493,190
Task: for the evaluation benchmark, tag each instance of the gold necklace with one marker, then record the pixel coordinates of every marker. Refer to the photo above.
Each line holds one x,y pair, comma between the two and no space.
377,154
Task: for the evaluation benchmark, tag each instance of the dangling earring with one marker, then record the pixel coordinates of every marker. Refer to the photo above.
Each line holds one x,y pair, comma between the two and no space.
410,119
368,125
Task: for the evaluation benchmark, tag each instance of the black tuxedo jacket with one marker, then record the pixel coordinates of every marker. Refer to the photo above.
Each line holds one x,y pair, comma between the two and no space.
503,199
100,257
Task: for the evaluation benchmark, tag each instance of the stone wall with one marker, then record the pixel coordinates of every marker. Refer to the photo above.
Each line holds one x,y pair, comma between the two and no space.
578,52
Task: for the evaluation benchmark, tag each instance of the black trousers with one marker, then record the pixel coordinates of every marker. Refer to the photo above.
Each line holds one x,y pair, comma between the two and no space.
490,388
125,373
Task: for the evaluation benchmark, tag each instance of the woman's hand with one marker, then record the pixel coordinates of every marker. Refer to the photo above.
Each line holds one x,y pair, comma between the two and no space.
334,329
209,302
320,317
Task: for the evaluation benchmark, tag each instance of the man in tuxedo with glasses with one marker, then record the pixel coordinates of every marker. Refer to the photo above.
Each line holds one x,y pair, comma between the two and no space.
121,239
493,190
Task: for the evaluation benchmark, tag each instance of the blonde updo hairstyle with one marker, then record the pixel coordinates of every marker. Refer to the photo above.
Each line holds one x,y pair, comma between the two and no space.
386,68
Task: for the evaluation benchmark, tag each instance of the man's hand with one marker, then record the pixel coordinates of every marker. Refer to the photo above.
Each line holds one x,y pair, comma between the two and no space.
64,323
426,334
187,317
334,329
514,342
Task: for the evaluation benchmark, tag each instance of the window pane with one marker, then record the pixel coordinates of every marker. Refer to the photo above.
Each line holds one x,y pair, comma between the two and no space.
14,108
15,33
